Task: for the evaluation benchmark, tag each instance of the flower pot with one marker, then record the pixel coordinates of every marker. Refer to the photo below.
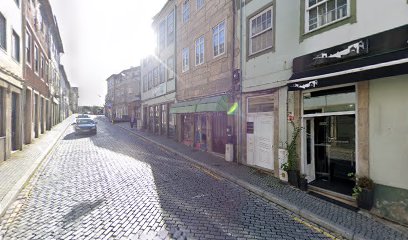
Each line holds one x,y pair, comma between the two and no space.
365,199
303,184
293,177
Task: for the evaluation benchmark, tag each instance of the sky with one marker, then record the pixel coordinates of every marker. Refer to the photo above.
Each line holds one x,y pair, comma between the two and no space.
101,38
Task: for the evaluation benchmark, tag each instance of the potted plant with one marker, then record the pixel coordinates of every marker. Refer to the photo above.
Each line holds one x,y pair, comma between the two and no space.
363,191
303,182
291,165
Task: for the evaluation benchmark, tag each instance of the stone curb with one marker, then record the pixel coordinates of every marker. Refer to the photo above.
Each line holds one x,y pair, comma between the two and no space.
321,221
16,189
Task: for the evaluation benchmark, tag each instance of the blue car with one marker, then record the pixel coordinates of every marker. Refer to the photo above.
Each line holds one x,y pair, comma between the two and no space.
85,125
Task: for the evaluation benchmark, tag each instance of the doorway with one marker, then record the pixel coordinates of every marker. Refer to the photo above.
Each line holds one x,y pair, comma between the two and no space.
330,152
14,109
260,140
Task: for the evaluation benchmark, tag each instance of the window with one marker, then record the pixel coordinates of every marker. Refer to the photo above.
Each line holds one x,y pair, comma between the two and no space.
28,48
170,68
162,35
46,72
155,76
36,59
170,28
42,67
322,12
261,35
186,11
15,46
199,51
219,39
144,83
186,59
200,4
3,32
150,80
161,73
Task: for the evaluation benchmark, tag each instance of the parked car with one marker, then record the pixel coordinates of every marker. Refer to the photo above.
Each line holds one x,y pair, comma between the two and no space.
83,116
85,125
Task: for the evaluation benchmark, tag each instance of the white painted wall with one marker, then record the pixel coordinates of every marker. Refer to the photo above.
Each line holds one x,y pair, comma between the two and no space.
13,15
389,131
373,16
274,68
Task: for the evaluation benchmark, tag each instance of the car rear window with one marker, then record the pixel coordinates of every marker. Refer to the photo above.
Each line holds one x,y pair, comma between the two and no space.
85,121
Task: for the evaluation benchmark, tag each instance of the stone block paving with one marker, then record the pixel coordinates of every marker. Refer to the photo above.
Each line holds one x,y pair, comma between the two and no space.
115,185
361,225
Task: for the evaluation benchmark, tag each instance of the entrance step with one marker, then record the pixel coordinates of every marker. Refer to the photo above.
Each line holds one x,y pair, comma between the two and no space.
334,197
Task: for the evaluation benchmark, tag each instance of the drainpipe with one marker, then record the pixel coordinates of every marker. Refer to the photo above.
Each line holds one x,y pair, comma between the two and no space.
240,80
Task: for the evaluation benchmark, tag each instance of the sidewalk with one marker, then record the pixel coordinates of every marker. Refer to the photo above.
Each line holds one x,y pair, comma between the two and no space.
16,171
348,223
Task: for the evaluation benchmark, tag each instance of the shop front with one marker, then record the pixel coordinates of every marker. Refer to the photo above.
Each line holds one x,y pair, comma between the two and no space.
204,123
334,101
329,139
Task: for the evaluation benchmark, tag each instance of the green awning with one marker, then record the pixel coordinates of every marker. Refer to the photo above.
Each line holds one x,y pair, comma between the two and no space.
184,107
209,104
213,104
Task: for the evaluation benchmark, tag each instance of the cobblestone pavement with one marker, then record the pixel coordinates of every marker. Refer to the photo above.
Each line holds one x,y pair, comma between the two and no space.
114,185
352,224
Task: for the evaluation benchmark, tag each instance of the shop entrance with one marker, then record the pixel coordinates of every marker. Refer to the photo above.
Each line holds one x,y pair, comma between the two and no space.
330,152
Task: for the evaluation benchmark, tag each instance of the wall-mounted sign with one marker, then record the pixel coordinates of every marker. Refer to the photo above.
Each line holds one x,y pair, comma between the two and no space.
250,127
341,53
311,84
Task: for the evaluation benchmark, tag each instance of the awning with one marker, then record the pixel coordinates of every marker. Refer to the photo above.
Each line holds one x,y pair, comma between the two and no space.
184,107
389,69
213,104
209,104
381,55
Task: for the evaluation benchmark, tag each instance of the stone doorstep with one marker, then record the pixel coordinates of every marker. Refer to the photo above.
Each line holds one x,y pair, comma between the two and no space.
11,196
304,213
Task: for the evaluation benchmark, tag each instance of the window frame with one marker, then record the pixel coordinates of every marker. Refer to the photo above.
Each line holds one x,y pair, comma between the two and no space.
315,6
225,39
36,62
15,46
200,6
186,11
200,44
170,21
271,28
28,48
3,40
42,66
162,35
170,68
185,59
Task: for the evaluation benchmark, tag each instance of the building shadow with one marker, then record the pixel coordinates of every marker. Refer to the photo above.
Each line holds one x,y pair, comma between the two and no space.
191,202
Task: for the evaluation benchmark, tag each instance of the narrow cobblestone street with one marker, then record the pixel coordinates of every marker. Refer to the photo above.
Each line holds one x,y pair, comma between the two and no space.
114,185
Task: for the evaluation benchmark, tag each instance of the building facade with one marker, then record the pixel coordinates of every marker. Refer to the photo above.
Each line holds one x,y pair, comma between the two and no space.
347,90
74,99
205,64
11,78
123,96
158,75
30,47
268,40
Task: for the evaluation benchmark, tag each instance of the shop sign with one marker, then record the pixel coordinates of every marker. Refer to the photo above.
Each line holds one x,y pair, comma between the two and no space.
341,53
311,84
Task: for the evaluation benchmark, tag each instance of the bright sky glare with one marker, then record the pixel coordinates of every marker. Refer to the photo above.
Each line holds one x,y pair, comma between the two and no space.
103,37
